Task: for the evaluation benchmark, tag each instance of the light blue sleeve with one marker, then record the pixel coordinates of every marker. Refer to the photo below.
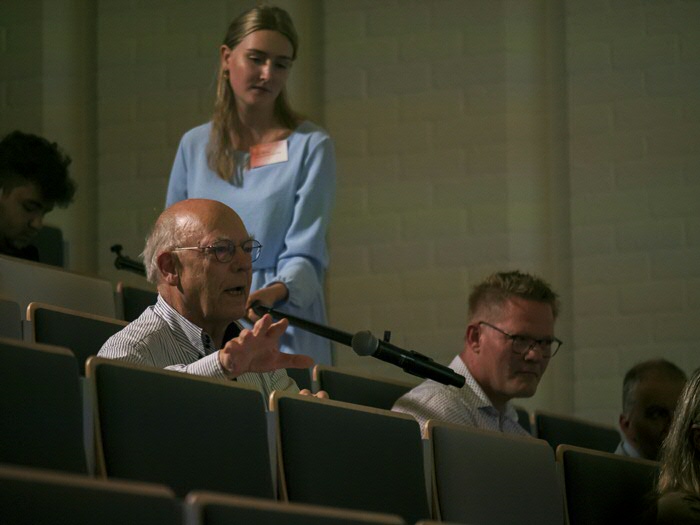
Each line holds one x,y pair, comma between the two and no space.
302,263
177,185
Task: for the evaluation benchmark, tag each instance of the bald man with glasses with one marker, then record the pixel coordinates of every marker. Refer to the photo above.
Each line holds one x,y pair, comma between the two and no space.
200,256
507,347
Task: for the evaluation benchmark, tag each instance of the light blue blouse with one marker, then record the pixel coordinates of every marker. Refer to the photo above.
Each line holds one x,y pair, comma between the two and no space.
287,207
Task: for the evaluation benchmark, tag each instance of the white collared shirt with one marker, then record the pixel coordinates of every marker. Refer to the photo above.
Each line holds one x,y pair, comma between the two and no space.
163,338
468,405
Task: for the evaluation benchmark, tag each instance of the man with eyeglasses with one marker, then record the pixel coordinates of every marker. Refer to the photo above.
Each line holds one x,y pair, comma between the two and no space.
200,257
507,347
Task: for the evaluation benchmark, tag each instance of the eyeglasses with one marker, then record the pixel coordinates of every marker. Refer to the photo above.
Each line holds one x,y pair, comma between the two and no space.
521,344
225,250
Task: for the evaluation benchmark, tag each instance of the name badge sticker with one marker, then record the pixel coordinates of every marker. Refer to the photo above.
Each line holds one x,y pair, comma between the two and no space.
269,153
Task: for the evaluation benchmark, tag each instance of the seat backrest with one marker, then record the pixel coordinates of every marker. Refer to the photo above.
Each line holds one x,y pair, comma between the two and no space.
133,301
349,456
350,387
41,410
10,319
81,332
27,281
31,496
301,376
49,243
205,508
564,430
185,431
481,476
604,488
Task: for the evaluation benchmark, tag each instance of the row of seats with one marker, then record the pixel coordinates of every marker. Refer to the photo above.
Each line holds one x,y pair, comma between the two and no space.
85,333
26,281
192,434
31,496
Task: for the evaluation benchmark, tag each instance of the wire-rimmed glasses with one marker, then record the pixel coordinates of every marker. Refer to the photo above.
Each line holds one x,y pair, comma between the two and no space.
225,250
521,344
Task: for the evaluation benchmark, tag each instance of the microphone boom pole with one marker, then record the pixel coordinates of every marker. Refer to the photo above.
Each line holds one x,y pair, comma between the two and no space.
366,344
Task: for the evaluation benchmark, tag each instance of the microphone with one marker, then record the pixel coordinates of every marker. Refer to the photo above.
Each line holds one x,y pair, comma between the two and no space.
364,344
327,332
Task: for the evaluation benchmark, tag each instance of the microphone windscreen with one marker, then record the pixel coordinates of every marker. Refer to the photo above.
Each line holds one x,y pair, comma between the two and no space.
364,343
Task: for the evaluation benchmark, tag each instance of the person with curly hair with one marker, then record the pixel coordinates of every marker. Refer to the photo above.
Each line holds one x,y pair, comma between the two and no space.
33,179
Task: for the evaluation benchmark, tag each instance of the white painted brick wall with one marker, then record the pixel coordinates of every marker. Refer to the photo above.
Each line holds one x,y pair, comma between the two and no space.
635,196
441,113
20,67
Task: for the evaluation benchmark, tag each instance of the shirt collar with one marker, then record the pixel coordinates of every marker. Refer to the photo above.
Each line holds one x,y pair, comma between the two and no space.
484,402
196,336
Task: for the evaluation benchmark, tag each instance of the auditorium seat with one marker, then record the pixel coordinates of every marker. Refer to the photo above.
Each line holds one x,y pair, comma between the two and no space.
481,476
204,508
83,333
604,488
301,376
185,431
27,281
352,387
565,430
10,319
50,245
349,456
33,496
41,411
132,301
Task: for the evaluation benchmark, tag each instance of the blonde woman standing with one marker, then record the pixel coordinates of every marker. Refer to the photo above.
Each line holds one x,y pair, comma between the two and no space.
275,169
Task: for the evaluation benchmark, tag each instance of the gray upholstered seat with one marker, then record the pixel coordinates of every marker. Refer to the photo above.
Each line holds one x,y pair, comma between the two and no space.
342,385
604,488
81,332
185,431
489,477
32,496
40,407
218,509
558,430
10,319
349,456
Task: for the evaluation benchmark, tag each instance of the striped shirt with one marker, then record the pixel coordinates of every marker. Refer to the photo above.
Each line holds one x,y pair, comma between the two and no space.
468,405
163,338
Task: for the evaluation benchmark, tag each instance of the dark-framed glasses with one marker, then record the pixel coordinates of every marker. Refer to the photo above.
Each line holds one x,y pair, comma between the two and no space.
521,344
225,250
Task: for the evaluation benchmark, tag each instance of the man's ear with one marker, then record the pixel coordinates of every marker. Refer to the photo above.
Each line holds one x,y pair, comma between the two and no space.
169,266
624,424
471,338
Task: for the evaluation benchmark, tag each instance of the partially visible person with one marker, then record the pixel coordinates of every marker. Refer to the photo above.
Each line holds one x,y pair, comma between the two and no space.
200,257
650,392
507,346
679,477
271,165
33,179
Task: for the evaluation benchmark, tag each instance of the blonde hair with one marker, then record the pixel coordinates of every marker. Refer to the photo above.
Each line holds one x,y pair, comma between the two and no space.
225,118
492,293
680,459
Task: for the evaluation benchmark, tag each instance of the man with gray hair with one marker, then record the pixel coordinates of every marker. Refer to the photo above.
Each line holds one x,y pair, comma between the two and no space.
650,392
200,257
507,346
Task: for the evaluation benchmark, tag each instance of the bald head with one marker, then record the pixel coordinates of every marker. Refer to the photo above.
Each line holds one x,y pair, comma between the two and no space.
182,224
